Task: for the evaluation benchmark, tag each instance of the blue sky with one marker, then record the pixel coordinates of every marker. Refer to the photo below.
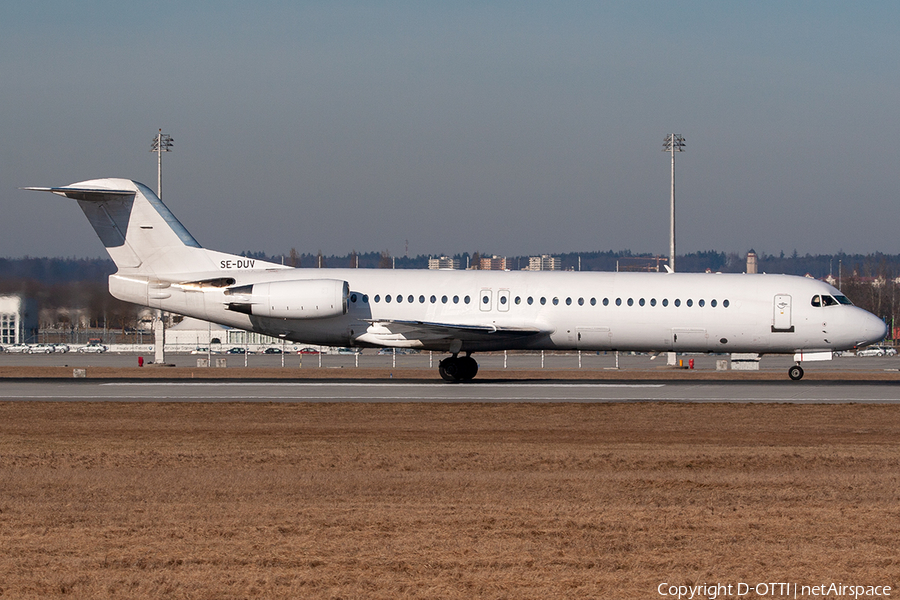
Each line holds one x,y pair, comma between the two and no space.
504,127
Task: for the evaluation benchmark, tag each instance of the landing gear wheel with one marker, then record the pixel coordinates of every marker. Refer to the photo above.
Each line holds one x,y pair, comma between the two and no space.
795,373
449,369
468,368
456,369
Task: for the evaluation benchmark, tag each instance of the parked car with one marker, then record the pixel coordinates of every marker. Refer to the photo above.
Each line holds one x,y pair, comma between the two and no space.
93,349
237,350
272,351
41,349
18,349
307,351
61,348
876,351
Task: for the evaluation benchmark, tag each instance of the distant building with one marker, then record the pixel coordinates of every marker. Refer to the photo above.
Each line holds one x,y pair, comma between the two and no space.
494,263
752,262
444,262
193,333
544,262
18,319
641,264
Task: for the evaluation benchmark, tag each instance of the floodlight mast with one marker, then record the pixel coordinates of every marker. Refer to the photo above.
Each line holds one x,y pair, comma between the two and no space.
162,142
673,143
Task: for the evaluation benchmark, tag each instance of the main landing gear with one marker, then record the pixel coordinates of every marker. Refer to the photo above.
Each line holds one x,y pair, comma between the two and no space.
795,373
458,368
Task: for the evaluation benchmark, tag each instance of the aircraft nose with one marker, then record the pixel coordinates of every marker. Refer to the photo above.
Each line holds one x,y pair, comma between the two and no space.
872,329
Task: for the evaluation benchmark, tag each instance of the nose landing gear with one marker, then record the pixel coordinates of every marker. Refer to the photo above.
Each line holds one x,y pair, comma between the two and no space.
456,368
795,373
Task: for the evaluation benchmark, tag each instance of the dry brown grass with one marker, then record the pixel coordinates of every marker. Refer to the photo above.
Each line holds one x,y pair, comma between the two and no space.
441,500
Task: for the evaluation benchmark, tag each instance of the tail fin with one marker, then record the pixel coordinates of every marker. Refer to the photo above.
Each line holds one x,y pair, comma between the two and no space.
140,233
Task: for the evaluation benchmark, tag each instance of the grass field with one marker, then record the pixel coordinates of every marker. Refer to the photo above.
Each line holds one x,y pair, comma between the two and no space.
510,501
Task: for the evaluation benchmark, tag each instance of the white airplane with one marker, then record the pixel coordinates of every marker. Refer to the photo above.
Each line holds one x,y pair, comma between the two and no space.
161,265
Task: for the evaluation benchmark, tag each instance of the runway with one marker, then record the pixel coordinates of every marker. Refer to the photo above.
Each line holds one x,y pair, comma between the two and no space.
487,392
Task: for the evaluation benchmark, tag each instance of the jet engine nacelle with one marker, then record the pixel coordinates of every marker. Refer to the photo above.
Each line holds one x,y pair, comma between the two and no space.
298,299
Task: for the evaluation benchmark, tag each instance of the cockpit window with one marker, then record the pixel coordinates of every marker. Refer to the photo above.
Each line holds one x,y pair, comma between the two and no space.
825,300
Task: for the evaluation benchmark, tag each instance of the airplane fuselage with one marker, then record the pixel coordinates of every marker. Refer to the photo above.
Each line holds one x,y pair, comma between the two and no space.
710,312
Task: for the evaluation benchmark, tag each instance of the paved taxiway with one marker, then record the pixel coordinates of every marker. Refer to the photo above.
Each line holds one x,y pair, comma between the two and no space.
508,391
532,361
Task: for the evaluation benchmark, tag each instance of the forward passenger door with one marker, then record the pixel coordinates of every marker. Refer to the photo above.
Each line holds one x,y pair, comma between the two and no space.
782,321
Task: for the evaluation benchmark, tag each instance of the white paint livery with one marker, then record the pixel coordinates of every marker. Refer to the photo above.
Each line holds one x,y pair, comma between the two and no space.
161,265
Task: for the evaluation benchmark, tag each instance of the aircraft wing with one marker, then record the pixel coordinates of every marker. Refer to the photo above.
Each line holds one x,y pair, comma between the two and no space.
464,332
402,333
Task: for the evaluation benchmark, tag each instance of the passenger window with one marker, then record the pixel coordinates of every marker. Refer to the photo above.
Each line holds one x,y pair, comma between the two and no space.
593,302
502,299
618,302
581,302
399,298
712,302
433,299
467,299
725,303
353,298
631,302
677,302
421,299
485,299
455,299
518,300
641,301
665,301
568,302
365,298
444,299
530,300
555,301
410,299
543,300
606,302
387,298
377,298
652,301
690,302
